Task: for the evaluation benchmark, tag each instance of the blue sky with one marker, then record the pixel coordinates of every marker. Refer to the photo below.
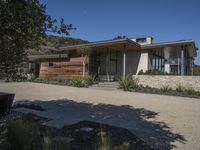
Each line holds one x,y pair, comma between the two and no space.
165,20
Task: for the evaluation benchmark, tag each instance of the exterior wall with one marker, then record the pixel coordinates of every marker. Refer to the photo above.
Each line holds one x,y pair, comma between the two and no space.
143,62
158,81
62,69
167,67
133,61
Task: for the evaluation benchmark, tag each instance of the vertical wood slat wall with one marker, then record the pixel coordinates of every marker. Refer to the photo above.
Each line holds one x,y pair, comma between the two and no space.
62,68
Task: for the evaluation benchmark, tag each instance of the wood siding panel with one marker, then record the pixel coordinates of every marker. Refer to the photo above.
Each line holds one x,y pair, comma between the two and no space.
62,69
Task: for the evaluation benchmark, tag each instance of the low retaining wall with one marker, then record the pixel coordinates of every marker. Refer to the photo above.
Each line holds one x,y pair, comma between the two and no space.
158,81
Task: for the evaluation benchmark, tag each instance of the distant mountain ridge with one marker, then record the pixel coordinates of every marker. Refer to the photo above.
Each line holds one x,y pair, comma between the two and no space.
62,41
55,41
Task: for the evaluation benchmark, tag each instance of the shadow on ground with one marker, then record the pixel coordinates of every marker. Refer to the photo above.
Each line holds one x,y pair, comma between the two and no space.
66,112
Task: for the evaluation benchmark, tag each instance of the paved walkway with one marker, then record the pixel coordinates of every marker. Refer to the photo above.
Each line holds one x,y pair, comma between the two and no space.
165,122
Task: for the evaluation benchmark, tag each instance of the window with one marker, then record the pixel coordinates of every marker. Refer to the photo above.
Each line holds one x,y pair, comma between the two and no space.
51,64
141,40
158,62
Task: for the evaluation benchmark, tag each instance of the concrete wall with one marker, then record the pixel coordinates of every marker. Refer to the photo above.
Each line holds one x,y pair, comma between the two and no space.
158,81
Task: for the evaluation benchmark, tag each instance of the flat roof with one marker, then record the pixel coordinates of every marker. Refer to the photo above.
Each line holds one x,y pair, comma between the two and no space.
170,43
102,43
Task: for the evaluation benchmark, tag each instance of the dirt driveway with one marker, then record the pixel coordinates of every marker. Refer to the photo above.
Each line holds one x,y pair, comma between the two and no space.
165,122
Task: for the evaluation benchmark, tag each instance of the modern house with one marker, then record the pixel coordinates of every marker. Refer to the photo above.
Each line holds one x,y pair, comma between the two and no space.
113,58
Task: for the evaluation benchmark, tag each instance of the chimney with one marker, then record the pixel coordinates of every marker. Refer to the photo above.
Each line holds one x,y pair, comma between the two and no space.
149,40
143,40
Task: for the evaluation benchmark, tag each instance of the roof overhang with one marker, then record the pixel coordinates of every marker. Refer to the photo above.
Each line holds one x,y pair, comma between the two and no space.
190,43
50,56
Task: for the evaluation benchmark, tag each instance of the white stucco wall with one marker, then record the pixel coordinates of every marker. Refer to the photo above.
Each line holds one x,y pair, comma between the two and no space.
167,68
144,61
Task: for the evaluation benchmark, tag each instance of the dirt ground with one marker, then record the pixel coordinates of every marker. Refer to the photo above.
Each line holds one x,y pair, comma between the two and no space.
165,122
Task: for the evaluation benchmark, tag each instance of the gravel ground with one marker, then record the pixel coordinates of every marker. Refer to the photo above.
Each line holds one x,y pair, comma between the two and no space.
165,122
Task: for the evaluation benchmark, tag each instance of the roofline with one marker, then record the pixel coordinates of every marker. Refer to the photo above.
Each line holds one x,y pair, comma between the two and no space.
101,43
181,42
123,41
48,47
172,43
48,56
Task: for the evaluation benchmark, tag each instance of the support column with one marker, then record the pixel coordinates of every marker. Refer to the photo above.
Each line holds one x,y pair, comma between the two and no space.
178,61
192,66
182,62
124,61
107,66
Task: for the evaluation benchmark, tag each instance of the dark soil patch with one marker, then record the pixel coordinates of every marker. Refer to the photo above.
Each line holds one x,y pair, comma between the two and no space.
86,135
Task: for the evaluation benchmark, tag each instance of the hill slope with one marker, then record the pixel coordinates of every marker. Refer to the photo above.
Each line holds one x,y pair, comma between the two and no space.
55,41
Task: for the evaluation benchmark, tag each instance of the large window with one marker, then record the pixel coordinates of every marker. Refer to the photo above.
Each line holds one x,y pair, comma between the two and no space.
158,62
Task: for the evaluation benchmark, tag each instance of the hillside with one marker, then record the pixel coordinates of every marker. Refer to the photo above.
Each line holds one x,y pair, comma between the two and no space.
55,41
62,41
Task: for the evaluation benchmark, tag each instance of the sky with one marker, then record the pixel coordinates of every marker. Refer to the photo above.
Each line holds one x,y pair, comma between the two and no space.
165,20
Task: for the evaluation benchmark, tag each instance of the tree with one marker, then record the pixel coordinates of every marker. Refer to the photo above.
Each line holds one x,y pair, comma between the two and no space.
23,25
120,37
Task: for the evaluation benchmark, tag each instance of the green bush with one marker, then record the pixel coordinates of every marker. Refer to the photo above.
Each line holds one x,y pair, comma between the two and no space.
128,82
166,89
179,88
90,79
153,72
77,83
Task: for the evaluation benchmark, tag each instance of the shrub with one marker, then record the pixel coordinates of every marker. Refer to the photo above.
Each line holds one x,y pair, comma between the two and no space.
105,143
153,72
90,79
77,83
165,88
30,76
191,91
27,135
179,88
127,83
141,72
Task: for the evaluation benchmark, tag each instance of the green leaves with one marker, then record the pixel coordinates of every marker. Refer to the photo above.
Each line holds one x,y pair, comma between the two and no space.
23,25
128,82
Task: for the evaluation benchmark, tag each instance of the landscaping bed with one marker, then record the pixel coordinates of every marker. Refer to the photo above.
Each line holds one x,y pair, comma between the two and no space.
131,84
185,93
30,132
